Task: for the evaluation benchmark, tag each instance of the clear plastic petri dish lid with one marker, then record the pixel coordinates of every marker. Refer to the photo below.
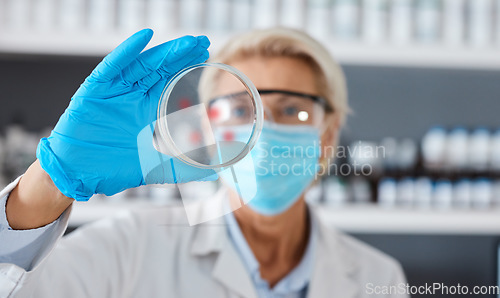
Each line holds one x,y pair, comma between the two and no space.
210,116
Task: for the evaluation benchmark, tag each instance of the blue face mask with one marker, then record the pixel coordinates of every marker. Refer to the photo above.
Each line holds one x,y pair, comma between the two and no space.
279,168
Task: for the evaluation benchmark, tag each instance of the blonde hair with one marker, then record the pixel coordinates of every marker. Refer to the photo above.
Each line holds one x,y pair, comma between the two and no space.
285,42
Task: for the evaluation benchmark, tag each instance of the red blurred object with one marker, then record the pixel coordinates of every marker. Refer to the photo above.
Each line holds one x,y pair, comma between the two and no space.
195,137
184,103
213,113
228,136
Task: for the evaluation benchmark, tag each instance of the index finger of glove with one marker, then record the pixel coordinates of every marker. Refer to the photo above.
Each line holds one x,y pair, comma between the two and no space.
154,58
180,57
121,56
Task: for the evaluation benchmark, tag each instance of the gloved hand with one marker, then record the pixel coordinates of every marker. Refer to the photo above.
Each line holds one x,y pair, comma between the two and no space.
94,146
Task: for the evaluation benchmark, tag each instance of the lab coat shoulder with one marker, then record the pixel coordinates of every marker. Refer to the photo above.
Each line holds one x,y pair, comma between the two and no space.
371,260
349,267
89,262
133,254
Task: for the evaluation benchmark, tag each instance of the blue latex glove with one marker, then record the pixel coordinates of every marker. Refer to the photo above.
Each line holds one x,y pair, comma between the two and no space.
94,146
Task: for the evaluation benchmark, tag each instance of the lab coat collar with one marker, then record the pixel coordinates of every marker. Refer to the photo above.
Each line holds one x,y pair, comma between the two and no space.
334,267
333,271
229,270
209,236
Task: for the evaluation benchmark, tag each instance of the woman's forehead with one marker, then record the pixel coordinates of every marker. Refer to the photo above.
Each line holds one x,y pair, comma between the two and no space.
282,73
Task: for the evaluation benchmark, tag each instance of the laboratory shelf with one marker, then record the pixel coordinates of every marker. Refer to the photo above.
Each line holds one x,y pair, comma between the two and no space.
63,43
82,43
382,54
417,55
376,219
349,218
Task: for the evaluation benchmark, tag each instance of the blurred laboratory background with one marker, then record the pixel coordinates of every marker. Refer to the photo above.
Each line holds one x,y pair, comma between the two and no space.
424,85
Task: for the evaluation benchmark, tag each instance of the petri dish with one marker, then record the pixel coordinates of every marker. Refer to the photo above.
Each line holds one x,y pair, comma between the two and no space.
210,116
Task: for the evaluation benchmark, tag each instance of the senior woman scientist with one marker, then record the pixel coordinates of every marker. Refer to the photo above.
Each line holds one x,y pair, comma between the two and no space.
275,246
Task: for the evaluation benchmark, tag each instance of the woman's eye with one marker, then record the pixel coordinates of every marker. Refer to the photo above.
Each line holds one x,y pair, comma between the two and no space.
240,112
290,111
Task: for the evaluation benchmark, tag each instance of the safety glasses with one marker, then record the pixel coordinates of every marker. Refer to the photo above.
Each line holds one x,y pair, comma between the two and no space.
280,106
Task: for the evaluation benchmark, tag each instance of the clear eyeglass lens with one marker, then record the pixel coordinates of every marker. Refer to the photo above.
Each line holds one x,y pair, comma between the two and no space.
233,109
236,109
291,110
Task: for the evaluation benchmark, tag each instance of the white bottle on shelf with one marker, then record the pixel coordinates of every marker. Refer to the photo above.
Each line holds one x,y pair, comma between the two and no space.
374,20
318,18
406,192
401,21
457,147
480,23
479,149
241,14
481,193
360,190
44,15
191,13
462,194
453,22
423,192
131,15
387,192
346,19
433,148
293,14
443,194
265,13
427,21
335,192
101,15
218,15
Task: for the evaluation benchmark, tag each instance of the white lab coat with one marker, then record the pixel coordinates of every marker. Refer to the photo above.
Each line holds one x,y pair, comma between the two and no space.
157,254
